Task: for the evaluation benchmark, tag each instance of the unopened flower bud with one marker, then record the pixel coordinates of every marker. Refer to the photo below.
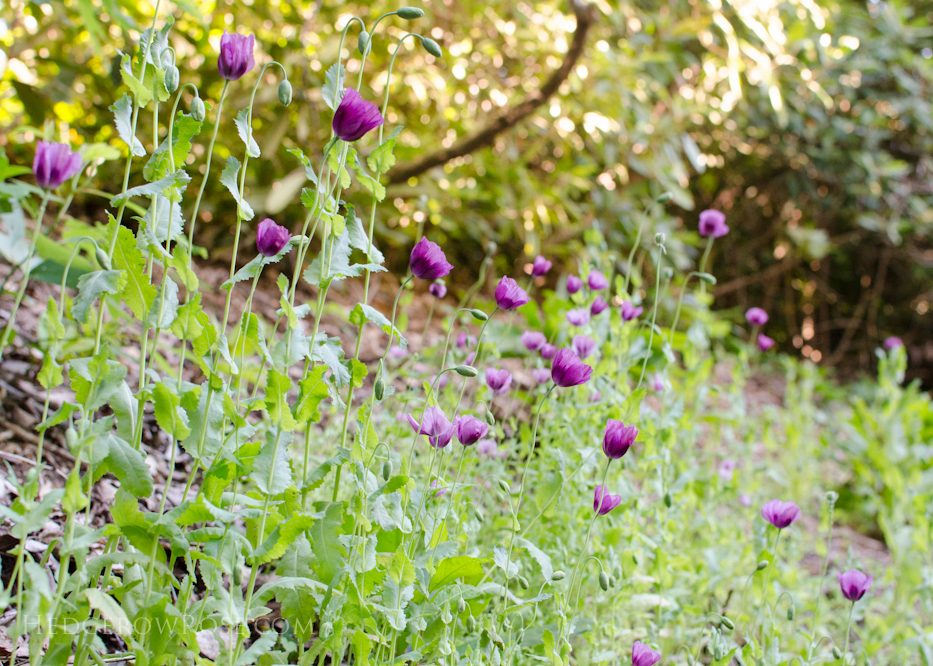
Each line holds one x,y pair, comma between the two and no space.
363,42
466,371
431,47
471,623
668,501
837,653
461,605
386,470
604,581
790,612
198,112
285,92
171,79
410,13
102,259
762,565
479,315
379,388
505,487
726,622
832,496
664,197
558,575
523,582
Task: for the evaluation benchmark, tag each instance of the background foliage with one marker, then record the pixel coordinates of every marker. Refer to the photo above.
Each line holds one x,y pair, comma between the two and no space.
807,122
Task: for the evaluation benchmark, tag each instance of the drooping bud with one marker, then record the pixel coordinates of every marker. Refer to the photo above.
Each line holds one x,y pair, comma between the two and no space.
285,92
558,575
466,371
431,47
479,315
363,42
386,470
410,13
198,112
171,79
604,581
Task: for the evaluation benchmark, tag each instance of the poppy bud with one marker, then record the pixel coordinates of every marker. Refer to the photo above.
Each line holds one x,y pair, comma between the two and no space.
198,112
410,13
363,42
505,487
523,582
668,501
466,371
471,623
558,575
479,315
102,259
461,605
664,197
386,470
431,47
762,565
171,79
726,622
790,612
837,653
379,389
604,581
285,92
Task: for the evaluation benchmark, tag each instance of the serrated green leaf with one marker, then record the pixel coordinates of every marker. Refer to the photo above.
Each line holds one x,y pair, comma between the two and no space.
363,313
138,293
92,286
281,537
160,163
382,158
462,567
245,131
176,179
168,412
228,179
123,118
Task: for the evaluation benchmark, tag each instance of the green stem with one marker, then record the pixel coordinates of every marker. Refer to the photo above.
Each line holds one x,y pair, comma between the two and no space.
207,170
654,317
845,650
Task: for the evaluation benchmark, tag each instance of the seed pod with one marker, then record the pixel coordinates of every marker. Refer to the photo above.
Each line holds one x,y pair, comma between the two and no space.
558,575
431,47
386,470
479,315
285,92
363,43
410,13
171,79
604,581
198,112
523,582
505,487
726,622
102,259
762,565
466,371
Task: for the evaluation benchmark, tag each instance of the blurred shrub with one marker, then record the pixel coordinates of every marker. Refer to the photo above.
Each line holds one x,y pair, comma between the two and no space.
807,122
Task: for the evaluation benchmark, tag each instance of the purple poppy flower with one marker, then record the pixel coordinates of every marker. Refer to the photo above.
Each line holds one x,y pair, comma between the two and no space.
597,281
540,266
599,306
236,55
541,375
548,351
764,342
630,311
642,655
355,116
713,224
533,340
435,426
583,345
488,447
579,316
470,429
854,584
604,501
427,260
271,237
892,342
498,380
574,284
726,469
657,383
438,289
568,370
509,295
618,438
780,514
756,316
439,491
54,163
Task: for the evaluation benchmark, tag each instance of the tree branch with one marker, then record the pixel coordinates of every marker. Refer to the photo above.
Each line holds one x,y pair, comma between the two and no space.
513,115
